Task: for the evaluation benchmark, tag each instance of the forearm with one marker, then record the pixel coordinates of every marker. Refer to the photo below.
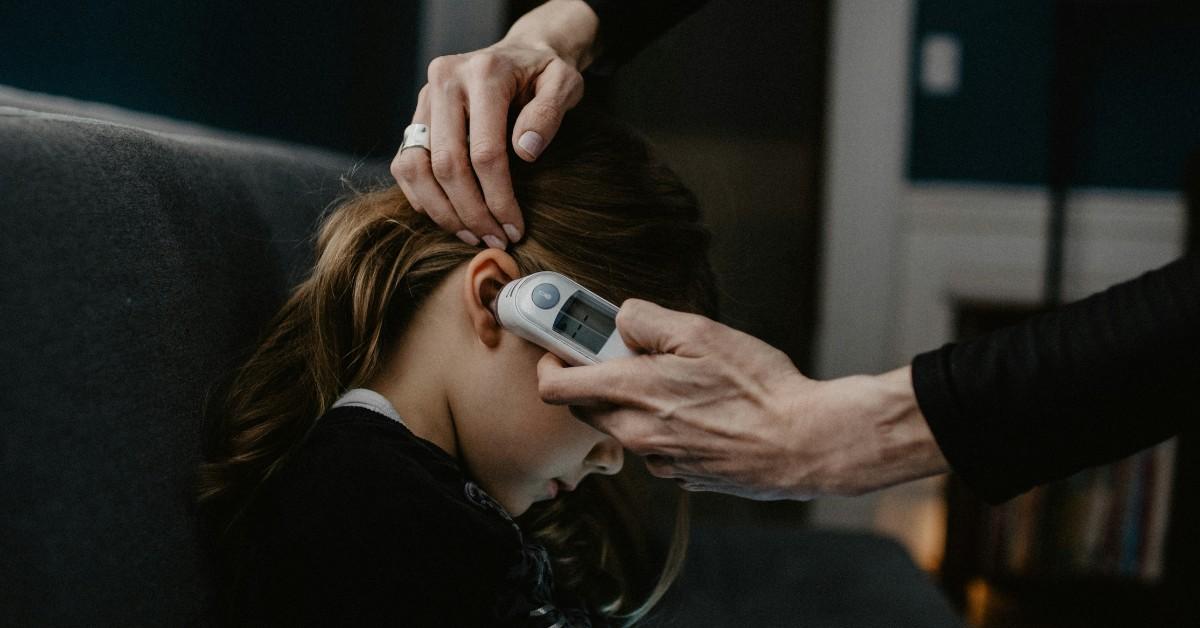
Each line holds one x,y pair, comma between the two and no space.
568,27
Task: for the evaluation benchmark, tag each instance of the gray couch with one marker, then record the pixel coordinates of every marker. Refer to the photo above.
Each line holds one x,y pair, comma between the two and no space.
140,257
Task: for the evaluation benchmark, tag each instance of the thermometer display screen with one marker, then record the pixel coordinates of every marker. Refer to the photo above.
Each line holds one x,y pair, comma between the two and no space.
585,321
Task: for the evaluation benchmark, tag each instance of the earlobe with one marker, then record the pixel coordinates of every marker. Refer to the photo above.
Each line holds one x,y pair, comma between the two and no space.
487,273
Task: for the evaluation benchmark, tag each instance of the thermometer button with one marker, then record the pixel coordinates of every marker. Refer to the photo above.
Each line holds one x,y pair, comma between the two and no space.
545,296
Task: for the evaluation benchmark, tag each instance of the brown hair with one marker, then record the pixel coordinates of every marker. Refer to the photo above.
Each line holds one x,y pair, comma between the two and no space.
599,208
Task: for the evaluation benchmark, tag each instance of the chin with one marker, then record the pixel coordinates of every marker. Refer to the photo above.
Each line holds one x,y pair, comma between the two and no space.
516,510
514,505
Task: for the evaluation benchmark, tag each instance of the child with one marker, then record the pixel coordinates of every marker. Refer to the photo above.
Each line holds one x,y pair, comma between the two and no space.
375,450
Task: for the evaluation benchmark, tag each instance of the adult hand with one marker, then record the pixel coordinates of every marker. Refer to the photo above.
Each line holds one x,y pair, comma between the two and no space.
465,187
720,410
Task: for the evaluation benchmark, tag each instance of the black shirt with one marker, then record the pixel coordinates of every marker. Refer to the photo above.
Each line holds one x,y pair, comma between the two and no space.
369,525
627,26
1089,383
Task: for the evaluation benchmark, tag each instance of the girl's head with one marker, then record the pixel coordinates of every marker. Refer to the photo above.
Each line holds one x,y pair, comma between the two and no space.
395,304
469,386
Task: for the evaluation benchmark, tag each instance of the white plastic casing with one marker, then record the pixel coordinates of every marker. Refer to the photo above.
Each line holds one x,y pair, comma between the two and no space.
518,313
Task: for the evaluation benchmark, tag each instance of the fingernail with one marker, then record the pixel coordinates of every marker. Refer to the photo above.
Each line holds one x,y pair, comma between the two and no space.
512,232
494,242
532,142
468,237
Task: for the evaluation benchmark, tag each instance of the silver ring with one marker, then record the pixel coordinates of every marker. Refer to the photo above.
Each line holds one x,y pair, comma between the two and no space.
415,135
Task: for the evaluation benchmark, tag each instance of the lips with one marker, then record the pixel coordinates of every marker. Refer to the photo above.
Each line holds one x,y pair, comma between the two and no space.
556,486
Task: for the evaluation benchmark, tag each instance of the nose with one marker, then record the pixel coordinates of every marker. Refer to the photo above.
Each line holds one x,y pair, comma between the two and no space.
606,457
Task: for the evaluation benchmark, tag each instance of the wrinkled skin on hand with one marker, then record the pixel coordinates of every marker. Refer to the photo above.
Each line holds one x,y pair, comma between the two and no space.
719,410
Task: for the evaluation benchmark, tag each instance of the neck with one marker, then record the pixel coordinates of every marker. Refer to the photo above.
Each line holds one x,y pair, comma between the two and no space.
412,381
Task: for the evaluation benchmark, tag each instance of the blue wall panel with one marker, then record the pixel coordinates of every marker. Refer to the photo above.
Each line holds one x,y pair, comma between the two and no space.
1137,116
336,74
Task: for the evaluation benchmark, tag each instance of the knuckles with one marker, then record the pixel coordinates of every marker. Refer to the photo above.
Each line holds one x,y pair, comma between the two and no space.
573,85
574,80
447,164
695,328
487,156
484,64
478,66
404,169
442,68
629,312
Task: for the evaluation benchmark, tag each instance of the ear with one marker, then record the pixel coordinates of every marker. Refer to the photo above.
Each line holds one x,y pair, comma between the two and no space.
487,274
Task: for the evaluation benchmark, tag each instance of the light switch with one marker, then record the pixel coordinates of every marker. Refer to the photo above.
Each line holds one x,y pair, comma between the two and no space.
941,64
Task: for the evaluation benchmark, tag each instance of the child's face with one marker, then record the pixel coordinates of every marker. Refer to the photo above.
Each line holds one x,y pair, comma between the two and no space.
520,449
469,386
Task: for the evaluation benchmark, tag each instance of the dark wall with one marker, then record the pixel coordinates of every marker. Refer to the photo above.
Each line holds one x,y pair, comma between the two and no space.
1126,76
733,99
334,74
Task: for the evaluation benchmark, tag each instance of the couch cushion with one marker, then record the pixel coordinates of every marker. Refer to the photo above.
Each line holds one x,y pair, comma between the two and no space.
738,576
138,265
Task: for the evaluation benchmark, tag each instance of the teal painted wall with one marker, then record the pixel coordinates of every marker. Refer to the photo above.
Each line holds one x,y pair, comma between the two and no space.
1138,115
334,74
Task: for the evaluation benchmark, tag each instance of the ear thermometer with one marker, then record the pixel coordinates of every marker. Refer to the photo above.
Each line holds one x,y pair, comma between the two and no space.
562,317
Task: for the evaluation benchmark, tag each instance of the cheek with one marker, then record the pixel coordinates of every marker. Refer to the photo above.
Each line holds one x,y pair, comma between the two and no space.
515,444
543,439
559,435
511,434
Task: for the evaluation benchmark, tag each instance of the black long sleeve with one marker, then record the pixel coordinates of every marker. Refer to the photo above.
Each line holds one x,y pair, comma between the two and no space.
627,26
1089,383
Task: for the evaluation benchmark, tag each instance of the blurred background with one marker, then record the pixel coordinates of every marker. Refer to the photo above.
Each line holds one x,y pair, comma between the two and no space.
883,176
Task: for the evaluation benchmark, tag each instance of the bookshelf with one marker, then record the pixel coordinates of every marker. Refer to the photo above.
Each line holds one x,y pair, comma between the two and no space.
1105,547
1028,579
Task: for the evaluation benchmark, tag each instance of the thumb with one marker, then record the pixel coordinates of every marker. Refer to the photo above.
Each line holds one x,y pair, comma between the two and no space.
649,328
557,89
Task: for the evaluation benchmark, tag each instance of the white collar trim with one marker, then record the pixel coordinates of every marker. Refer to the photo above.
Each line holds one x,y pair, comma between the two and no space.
371,400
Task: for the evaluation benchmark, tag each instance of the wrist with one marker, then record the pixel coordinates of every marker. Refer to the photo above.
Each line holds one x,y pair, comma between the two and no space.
568,28
904,436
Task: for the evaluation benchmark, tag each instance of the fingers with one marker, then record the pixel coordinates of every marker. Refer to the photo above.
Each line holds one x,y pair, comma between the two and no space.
666,469
556,90
610,382
464,182
414,174
639,432
451,163
695,469
607,407
660,466
649,328
489,157
560,385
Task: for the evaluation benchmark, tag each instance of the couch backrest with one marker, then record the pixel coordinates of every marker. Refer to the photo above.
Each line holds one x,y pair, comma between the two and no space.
136,266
